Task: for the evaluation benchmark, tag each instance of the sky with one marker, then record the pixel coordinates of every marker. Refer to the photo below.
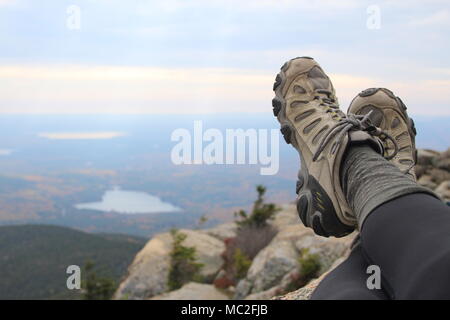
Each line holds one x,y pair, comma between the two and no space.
207,56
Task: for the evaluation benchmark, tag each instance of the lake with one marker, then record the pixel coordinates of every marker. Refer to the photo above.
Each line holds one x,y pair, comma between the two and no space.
128,202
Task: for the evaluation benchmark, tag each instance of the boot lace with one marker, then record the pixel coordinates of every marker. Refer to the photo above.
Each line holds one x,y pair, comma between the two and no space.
352,122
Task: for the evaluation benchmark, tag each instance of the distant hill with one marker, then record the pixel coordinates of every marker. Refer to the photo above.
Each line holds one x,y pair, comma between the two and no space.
34,259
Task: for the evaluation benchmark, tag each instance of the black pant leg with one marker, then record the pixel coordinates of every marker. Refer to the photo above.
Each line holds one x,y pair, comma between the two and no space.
348,281
409,239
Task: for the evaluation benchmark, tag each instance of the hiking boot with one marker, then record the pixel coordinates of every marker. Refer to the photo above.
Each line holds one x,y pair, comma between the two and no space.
306,106
388,112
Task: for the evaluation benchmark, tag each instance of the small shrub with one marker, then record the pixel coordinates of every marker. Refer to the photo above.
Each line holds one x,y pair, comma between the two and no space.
184,267
294,284
308,269
223,282
201,222
251,240
309,265
254,233
241,263
261,213
96,287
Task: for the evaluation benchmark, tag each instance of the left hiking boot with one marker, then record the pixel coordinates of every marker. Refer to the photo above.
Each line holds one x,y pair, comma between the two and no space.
388,112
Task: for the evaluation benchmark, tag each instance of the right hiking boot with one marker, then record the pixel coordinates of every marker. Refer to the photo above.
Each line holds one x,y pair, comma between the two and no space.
388,112
306,106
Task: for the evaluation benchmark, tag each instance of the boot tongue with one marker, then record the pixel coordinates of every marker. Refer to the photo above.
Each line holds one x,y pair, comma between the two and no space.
359,137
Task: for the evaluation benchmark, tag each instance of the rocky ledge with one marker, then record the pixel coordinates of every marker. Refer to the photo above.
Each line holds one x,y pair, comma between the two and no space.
275,270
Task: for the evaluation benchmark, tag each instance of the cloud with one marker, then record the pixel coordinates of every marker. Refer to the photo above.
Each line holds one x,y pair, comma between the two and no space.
440,18
151,90
7,2
80,135
284,5
5,152
112,89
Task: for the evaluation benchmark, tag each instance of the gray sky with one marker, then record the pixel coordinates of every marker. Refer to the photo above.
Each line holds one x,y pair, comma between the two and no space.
203,56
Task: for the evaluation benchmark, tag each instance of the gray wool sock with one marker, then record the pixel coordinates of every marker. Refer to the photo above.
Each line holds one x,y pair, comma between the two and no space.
368,181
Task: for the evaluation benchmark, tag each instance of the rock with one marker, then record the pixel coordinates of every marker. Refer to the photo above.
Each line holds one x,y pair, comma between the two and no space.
306,292
439,175
275,260
271,264
264,295
269,268
443,164
278,258
286,217
420,170
302,293
443,190
209,250
327,250
426,181
433,167
147,275
243,289
222,232
425,157
194,291
275,269
284,285
443,160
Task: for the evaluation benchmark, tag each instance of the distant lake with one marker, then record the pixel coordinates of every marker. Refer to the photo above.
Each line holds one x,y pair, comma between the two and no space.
128,202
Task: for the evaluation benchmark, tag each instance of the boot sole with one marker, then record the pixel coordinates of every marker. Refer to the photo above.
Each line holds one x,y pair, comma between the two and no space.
314,207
